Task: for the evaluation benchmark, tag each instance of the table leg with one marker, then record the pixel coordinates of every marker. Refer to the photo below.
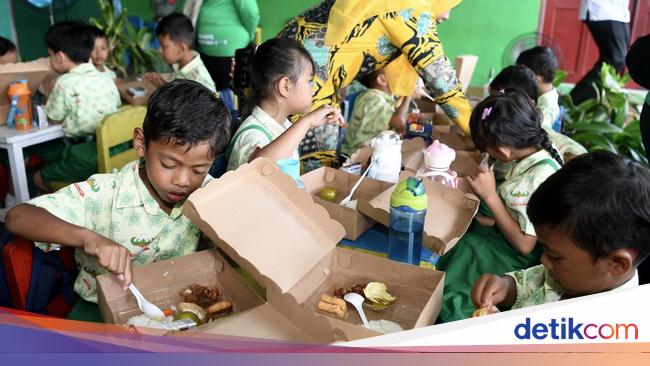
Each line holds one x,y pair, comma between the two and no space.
18,175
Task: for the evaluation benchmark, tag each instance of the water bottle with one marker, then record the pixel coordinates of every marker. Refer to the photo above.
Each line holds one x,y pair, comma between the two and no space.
408,206
437,164
386,157
20,113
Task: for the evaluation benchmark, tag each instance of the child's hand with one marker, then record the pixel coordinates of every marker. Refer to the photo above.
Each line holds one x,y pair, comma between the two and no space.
484,184
490,290
323,115
110,255
155,78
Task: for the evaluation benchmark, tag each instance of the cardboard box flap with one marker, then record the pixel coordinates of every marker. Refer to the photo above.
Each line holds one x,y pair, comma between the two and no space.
449,214
259,198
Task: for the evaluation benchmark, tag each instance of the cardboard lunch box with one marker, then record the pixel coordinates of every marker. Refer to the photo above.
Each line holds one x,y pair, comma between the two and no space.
33,71
449,213
124,86
287,242
353,221
453,137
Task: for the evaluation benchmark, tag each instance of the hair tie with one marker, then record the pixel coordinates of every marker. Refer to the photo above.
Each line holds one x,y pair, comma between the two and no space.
501,92
486,113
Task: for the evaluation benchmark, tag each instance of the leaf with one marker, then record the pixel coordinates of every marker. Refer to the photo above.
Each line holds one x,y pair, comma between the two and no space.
559,77
595,127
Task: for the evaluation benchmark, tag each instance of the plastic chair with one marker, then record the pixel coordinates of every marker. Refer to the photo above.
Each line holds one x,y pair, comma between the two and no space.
114,135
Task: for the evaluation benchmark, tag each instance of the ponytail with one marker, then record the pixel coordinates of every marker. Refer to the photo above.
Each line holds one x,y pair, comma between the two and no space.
548,146
242,84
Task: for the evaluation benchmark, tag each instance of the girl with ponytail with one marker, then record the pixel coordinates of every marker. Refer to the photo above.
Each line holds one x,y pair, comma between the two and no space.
508,127
276,79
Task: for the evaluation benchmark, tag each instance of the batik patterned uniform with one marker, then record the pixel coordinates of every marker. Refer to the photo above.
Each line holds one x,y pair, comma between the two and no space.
547,103
194,70
371,115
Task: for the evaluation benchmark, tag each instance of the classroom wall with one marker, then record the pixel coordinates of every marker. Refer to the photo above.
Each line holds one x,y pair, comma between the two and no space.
484,28
480,27
6,21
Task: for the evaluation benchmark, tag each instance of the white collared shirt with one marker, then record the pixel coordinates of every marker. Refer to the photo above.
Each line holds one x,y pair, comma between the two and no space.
617,10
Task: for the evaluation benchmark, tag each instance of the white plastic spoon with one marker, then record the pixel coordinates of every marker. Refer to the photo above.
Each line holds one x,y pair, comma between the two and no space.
356,185
149,309
357,301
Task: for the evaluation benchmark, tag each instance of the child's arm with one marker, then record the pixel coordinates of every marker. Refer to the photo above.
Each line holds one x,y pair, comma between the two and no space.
37,224
155,78
484,185
398,120
492,290
288,142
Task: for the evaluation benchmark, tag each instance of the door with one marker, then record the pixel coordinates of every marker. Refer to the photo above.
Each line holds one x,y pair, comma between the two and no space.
560,21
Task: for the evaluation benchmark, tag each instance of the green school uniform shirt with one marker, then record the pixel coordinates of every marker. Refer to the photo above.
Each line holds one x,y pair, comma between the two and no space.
371,115
194,70
535,286
81,98
249,139
547,103
119,207
521,181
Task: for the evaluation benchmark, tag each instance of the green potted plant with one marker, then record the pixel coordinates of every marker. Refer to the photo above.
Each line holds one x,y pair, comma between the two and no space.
608,122
124,39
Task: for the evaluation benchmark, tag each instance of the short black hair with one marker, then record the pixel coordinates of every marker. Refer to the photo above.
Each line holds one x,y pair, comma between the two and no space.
97,32
6,46
187,113
541,60
370,80
178,27
73,38
517,76
601,201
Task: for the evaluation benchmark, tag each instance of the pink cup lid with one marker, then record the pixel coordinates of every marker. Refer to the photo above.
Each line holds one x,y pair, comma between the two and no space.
439,155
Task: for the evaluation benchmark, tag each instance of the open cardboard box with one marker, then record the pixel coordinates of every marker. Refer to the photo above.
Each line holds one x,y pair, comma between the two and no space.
411,149
123,87
33,71
355,223
449,213
276,232
453,137
161,282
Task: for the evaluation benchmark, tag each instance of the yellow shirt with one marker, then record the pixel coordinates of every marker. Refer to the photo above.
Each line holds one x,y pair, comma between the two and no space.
362,45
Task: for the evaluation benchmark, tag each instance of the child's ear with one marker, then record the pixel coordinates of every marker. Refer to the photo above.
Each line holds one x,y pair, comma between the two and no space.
381,80
138,142
284,86
621,261
540,80
505,152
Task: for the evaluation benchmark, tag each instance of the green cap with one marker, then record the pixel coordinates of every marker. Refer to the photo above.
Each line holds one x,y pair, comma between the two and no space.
410,193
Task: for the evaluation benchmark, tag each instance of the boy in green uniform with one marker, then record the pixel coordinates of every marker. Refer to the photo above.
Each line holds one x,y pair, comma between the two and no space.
176,36
592,217
133,216
80,100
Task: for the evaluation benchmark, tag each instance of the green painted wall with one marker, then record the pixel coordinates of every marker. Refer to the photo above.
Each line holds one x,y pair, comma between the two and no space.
274,14
6,22
480,27
484,28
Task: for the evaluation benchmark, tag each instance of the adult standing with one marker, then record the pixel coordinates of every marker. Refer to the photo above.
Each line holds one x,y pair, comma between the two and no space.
222,26
609,24
349,39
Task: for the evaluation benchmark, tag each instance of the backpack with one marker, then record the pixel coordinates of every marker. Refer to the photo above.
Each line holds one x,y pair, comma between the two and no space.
34,280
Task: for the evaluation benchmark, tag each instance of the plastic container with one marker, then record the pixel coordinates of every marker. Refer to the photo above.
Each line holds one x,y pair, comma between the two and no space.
408,208
437,162
20,113
386,157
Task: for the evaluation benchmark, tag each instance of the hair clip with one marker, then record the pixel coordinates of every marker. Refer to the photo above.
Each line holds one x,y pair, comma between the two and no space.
486,113
501,92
